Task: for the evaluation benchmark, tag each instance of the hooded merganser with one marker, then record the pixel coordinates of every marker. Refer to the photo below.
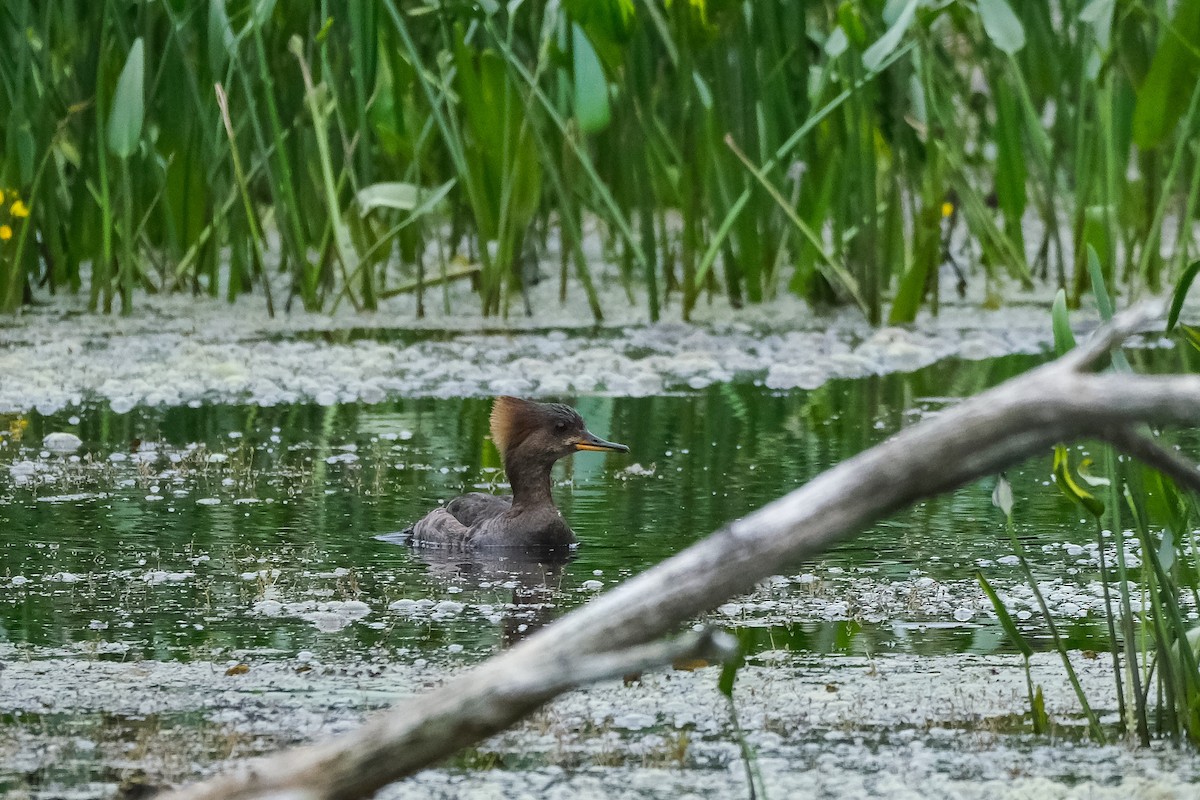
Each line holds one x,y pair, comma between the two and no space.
530,437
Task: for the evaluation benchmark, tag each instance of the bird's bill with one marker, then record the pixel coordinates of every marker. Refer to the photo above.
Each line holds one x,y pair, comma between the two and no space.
589,441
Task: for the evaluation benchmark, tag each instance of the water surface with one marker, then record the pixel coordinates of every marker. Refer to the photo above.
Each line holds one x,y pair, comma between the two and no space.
187,532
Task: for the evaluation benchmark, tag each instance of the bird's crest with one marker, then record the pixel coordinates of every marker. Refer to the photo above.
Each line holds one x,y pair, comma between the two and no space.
513,419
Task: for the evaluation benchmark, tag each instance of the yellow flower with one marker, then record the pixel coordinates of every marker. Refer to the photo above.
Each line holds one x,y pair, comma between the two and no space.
19,209
947,209
5,233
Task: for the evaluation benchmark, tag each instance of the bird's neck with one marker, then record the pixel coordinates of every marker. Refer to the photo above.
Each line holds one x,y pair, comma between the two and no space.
530,480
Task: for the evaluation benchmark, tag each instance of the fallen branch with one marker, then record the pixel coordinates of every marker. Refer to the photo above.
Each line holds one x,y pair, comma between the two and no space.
1054,403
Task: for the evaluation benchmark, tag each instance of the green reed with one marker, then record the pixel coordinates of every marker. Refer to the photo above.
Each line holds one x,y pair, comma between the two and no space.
718,147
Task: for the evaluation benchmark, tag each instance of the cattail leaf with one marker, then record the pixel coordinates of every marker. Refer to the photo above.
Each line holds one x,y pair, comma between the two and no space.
128,106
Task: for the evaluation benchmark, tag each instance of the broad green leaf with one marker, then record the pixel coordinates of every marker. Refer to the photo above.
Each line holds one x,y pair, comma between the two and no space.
1166,550
1002,26
1006,621
127,113
1068,486
1064,340
1181,292
1164,94
608,24
590,84
886,44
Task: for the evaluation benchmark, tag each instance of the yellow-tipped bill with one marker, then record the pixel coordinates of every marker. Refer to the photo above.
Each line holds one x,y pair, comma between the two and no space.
590,441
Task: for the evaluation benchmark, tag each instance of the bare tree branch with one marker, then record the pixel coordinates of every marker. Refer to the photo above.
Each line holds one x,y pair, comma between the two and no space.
977,438
1106,337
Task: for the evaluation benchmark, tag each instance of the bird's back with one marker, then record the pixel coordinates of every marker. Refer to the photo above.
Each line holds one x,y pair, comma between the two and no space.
487,520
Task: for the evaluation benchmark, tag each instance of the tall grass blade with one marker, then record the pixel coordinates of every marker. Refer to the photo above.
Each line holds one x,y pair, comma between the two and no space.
1064,339
1180,295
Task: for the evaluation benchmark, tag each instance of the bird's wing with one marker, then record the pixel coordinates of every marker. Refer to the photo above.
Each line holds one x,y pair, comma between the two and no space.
438,527
471,509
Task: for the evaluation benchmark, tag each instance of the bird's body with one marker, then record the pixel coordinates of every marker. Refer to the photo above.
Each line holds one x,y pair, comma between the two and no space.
531,437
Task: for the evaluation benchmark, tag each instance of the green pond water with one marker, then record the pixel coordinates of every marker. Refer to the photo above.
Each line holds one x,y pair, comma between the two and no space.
152,547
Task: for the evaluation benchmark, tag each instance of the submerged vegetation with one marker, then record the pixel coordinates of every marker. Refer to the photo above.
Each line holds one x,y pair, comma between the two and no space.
371,148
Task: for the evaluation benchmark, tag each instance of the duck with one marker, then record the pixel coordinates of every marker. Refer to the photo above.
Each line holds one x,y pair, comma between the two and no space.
531,436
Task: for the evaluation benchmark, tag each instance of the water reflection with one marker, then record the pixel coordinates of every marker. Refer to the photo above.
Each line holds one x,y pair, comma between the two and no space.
168,551
534,575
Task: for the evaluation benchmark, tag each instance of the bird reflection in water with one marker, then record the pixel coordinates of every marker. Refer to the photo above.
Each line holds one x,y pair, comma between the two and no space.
535,575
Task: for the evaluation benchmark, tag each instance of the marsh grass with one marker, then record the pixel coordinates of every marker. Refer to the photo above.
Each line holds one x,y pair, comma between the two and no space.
719,147
1149,609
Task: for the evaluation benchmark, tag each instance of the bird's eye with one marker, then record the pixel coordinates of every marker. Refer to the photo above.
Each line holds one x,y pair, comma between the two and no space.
561,426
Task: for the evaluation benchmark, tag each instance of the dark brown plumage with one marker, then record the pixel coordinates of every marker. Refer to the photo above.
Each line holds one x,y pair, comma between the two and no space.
530,437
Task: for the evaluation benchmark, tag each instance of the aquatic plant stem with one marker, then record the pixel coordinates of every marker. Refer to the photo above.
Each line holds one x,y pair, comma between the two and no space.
1093,721
1113,642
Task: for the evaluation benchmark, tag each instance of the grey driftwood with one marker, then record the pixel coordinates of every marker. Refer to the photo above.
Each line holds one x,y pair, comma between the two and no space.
616,633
